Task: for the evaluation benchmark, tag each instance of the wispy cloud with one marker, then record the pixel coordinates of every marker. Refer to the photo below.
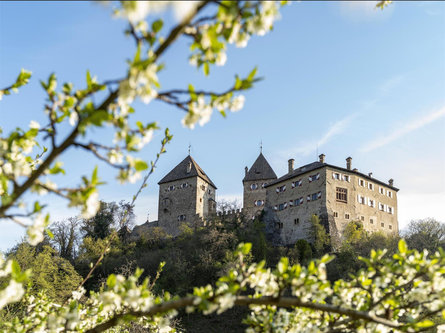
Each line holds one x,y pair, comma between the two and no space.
388,85
310,146
403,130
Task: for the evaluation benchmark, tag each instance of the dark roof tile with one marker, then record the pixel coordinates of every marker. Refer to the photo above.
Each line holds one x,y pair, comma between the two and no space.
260,170
180,172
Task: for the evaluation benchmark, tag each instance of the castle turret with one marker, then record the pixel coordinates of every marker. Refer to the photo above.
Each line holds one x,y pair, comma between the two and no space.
254,182
186,195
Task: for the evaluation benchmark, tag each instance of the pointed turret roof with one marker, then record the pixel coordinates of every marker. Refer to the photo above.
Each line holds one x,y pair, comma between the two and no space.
180,172
260,170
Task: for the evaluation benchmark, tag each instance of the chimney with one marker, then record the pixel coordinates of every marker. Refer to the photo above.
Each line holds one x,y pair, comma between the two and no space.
246,169
370,174
391,182
321,157
189,167
348,163
291,165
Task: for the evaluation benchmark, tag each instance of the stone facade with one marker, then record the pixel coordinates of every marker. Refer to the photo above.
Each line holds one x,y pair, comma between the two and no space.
336,195
254,186
186,196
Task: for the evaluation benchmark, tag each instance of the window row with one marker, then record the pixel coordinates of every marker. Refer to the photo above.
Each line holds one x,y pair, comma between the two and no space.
339,176
362,218
372,203
297,202
298,183
256,186
175,187
370,186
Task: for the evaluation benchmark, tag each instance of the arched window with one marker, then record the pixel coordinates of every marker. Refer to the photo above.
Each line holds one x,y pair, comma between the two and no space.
259,203
253,186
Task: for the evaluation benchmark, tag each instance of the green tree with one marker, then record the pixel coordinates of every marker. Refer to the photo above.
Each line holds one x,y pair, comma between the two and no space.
50,273
320,236
425,234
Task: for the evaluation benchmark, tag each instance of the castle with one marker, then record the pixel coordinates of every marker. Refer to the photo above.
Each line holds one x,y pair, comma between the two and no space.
335,194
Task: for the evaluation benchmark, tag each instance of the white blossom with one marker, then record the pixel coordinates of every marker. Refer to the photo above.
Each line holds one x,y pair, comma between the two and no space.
35,231
92,205
237,103
11,294
74,118
34,124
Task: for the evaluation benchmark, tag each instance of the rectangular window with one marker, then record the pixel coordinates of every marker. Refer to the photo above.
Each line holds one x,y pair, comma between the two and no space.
371,186
381,190
181,218
381,207
382,224
342,194
389,193
346,178
390,226
281,189
336,175
314,196
347,216
296,221
361,199
335,214
314,177
390,210
362,218
371,221
371,203
281,206
361,182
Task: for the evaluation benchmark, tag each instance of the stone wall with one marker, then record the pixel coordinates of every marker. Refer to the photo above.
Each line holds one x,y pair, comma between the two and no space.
363,202
288,211
292,221
254,192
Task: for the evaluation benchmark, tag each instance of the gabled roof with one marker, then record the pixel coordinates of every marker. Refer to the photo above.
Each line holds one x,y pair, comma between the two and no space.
180,172
317,165
260,170
297,172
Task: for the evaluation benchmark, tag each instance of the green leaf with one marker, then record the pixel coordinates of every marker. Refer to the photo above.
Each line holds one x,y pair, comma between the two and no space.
252,74
111,281
157,25
402,246
206,69
140,165
49,233
94,177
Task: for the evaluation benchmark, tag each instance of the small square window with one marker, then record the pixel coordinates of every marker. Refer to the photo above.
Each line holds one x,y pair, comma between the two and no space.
390,227
362,218
371,221
382,224
347,216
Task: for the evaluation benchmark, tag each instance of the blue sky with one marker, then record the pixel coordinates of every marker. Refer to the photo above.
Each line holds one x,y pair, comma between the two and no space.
342,76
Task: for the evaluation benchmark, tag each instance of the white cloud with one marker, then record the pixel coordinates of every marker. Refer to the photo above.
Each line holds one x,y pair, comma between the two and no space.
403,130
390,84
310,146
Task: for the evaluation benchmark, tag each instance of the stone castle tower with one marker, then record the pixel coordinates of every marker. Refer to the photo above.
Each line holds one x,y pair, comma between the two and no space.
186,196
255,180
